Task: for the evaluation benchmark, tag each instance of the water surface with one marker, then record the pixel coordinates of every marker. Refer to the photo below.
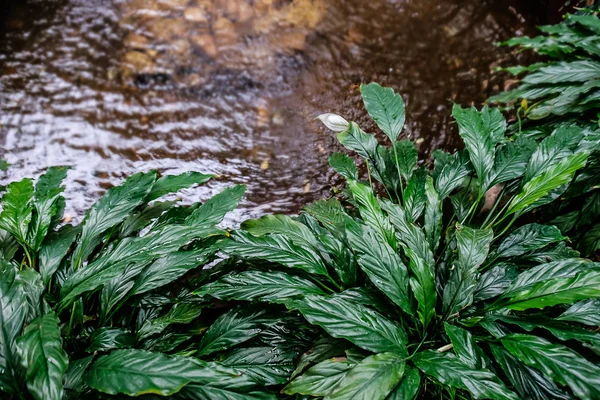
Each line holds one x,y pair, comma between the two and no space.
231,87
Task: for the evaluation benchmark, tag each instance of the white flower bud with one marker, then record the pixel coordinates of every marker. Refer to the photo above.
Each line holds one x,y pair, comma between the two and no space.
334,122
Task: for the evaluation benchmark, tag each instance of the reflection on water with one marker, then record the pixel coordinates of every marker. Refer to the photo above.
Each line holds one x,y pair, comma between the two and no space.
230,87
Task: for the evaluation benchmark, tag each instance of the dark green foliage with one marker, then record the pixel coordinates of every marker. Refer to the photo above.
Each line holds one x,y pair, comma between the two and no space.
480,300
558,101
100,310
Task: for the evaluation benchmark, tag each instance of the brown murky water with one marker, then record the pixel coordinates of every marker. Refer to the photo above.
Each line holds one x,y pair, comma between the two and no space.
231,87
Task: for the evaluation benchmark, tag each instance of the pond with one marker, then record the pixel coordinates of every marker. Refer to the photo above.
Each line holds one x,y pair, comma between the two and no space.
231,87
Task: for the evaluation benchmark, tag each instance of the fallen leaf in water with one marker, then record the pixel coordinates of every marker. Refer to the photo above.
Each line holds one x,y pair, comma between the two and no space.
265,164
307,187
67,218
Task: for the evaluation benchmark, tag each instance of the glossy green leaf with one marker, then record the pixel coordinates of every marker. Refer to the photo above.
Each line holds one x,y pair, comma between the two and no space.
433,215
169,268
173,183
138,372
258,285
33,288
576,71
47,189
528,382
406,157
563,365
358,324
478,138
371,379
371,212
54,250
181,313
473,247
451,371
214,210
408,387
238,388
586,312
382,264
73,380
495,281
42,356
344,166
267,365
234,327
320,380
529,238
464,346
299,233
422,283
116,204
13,311
550,179
414,195
278,249
106,338
323,348
385,107
511,161
139,220
453,174
17,209
552,284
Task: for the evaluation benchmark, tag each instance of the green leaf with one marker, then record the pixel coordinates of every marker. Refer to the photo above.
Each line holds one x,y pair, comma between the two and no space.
453,174
529,382
433,215
238,388
576,71
4,165
321,379
169,268
382,264
385,107
414,195
33,288
328,212
362,143
473,248
42,356
511,161
213,211
116,204
371,212
358,324
371,379
139,220
464,346
258,285
422,283
529,238
560,144
129,253
267,365
299,233
563,365
549,285
585,312
234,327
73,380
17,209
407,157
13,311
478,138
138,372
408,387
322,349
181,313
495,281
344,166
173,183
106,338
451,371
550,179
278,249
55,249
47,191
